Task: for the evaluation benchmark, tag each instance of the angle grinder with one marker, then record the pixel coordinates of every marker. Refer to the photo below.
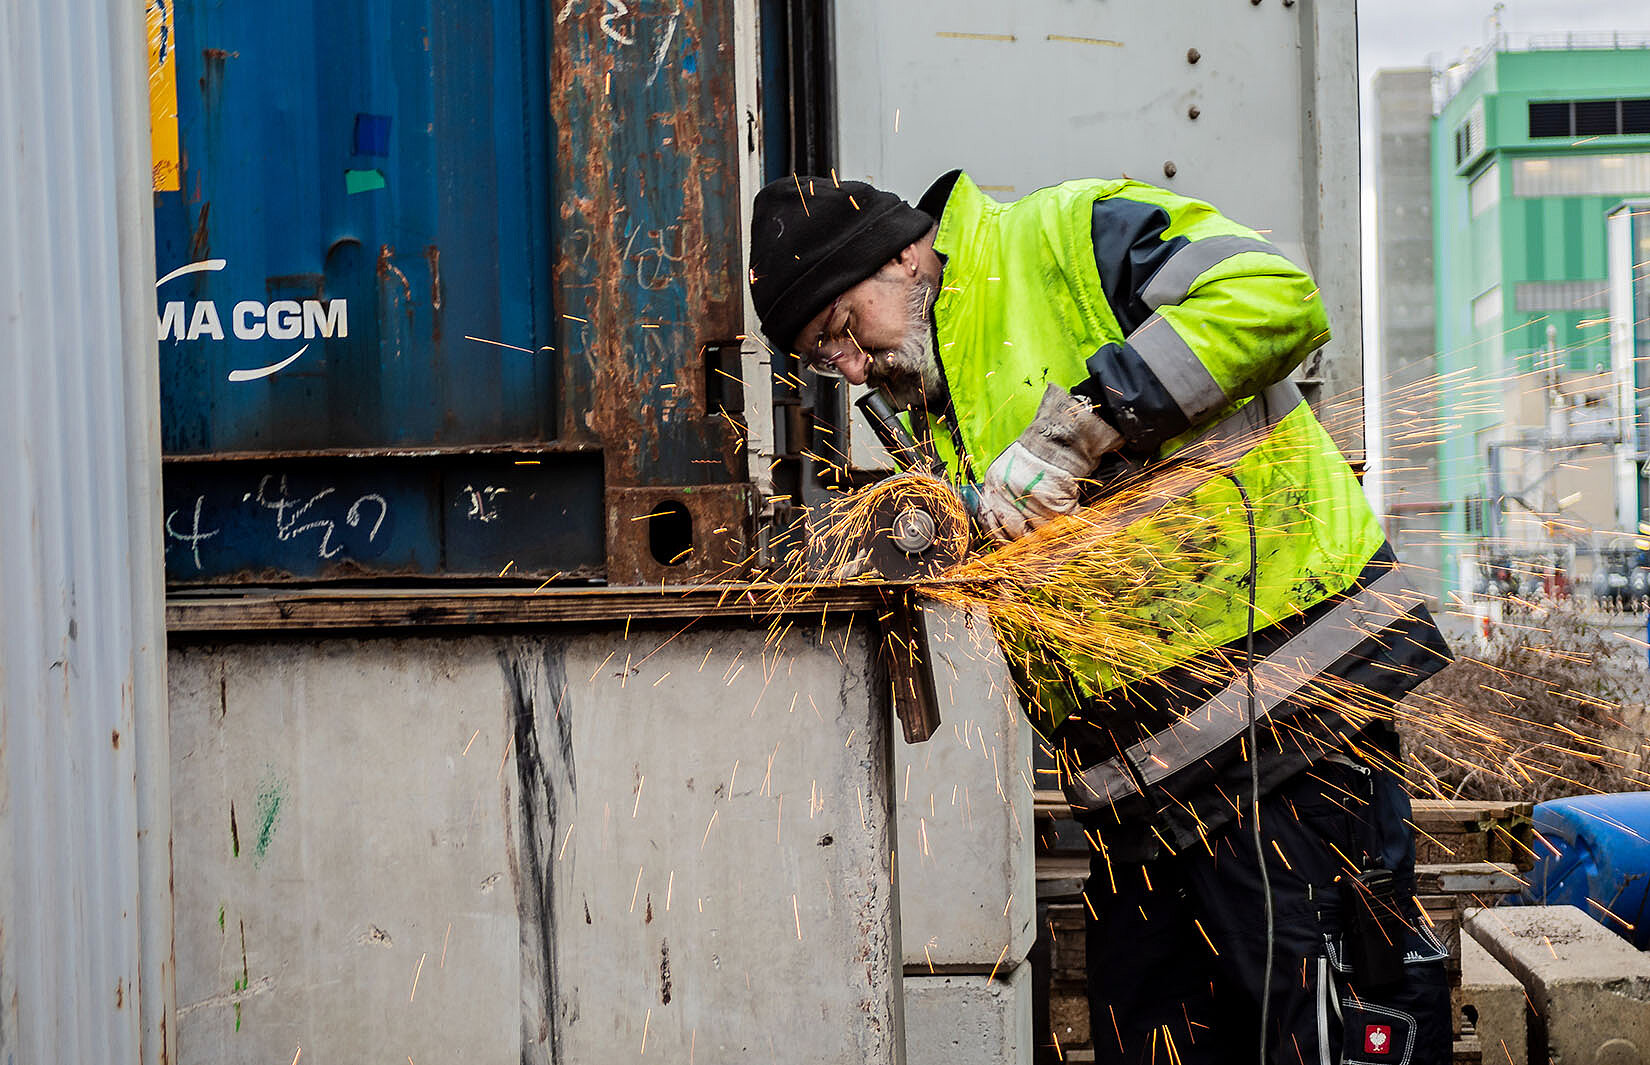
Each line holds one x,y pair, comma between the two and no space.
906,527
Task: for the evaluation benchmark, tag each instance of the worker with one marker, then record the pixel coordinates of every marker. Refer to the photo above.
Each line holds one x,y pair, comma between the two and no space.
1057,346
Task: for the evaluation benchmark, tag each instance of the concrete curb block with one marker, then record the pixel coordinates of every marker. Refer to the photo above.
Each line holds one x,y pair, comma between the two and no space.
1589,990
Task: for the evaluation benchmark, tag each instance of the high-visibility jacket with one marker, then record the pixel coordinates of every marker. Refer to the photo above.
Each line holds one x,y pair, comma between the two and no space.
1181,327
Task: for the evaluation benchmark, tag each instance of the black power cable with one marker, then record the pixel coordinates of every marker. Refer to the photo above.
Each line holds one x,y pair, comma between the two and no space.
1254,763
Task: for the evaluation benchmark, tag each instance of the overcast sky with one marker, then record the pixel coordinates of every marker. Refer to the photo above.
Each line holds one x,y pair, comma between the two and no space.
1411,33
1420,33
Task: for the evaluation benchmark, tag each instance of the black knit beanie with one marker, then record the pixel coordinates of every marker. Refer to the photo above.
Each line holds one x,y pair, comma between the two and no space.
814,238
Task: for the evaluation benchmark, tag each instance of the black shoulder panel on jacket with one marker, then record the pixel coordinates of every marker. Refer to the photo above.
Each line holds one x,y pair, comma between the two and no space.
1129,249
1129,396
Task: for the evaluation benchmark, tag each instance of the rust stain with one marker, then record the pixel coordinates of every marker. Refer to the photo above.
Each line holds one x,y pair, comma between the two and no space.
386,267
399,290
214,62
200,244
432,255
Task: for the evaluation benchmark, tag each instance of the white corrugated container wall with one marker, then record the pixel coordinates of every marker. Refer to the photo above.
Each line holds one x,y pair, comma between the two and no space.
85,902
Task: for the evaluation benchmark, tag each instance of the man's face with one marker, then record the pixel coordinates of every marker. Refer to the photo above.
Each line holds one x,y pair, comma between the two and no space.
881,333
872,318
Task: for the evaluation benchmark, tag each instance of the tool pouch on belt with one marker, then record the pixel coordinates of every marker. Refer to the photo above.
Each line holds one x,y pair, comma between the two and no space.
1376,934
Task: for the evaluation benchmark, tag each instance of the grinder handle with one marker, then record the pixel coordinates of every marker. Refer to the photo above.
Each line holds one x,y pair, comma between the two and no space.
902,447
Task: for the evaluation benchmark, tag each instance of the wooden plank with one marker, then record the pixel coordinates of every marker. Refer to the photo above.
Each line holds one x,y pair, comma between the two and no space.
332,609
1050,803
1465,814
1453,831
1468,878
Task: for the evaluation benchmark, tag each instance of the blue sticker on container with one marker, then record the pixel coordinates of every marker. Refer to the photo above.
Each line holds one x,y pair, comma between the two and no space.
372,134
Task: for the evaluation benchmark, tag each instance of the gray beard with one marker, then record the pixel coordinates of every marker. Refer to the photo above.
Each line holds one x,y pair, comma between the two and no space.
910,375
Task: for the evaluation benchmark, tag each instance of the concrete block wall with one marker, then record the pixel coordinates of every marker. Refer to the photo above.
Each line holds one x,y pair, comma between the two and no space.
966,858
969,1019
569,848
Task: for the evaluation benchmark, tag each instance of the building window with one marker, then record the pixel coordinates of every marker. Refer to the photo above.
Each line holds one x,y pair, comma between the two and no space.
1472,515
1561,296
1635,116
1589,118
1550,120
1484,191
1486,310
1469,135
1583,175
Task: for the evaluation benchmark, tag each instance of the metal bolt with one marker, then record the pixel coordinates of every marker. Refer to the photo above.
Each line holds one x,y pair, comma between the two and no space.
1254,3
914,531
1193,55
1169,169
1288,3
1192,112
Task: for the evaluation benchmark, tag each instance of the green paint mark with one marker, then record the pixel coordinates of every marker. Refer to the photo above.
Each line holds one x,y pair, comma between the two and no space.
234,830
270,796
358,181
220,920
245,979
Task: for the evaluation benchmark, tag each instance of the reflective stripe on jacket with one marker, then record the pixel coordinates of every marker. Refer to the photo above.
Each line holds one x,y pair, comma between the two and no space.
1171,335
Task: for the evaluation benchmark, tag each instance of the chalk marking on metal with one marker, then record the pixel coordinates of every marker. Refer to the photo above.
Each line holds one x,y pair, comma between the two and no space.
1084,40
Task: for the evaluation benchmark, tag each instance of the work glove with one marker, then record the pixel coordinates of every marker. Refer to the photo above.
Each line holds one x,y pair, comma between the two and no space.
1038,477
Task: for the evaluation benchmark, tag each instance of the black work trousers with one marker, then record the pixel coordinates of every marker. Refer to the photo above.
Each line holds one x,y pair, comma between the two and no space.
1176,946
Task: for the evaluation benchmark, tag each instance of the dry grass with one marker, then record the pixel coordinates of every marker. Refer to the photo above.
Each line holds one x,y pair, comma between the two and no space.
1560,697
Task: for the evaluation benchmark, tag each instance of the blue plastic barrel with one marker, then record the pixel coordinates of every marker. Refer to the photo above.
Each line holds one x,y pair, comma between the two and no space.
1596,857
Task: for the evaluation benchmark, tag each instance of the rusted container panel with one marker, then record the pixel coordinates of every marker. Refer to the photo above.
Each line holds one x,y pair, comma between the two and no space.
647,270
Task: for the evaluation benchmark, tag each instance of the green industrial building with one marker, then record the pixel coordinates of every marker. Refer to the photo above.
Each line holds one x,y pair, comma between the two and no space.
1537,467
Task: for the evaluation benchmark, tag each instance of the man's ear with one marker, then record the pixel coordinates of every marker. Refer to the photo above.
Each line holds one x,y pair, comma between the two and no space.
909,258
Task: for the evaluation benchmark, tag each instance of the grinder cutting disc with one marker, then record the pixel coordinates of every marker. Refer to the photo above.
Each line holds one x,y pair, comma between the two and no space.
918,528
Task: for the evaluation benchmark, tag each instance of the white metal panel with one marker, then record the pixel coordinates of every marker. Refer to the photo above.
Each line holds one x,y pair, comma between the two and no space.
755,358
1620,290
1030,94
85,912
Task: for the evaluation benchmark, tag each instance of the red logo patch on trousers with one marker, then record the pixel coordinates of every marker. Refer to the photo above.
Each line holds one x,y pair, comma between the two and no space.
1377,1039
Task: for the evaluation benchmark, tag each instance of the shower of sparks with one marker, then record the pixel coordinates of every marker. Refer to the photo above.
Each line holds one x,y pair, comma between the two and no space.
1110,596
416,973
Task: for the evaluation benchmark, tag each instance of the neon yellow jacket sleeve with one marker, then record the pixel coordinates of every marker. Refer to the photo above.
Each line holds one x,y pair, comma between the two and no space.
1212,312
